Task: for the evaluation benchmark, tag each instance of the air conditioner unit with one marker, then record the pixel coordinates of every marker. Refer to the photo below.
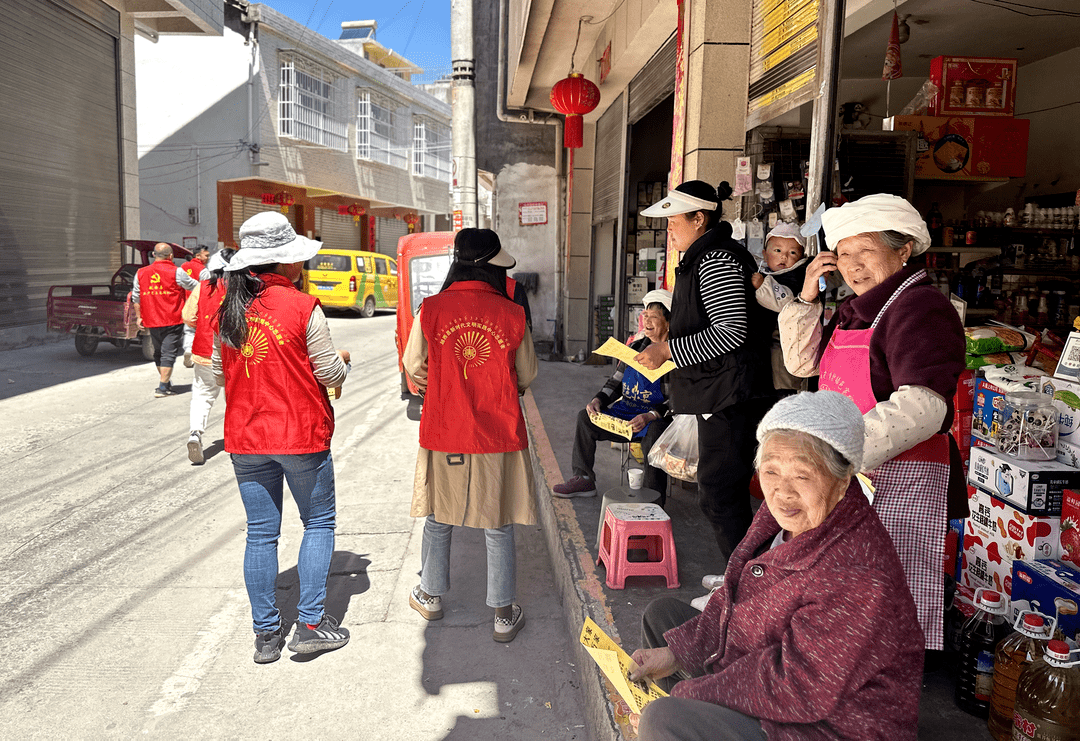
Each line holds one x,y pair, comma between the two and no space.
193,215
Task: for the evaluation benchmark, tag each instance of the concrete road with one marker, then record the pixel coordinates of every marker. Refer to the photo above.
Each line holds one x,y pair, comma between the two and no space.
121,584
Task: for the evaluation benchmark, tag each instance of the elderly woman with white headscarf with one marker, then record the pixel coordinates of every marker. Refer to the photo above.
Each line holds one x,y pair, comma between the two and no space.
896,348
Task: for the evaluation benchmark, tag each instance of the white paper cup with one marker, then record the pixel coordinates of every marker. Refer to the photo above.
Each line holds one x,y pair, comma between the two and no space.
636,476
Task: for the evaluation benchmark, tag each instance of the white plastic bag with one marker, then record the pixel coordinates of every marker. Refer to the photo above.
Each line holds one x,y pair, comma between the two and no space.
676,450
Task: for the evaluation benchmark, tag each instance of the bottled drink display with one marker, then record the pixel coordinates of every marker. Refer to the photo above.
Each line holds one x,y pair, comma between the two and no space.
1013,655
978,638
1048,698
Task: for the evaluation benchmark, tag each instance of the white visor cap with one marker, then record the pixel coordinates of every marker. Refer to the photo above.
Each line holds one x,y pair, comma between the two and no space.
678,202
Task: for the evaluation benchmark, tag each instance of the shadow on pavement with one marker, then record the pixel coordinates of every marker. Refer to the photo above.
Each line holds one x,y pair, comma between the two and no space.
348,577
28,369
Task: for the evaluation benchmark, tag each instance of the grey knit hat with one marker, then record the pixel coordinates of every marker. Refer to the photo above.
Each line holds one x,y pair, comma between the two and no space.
827,415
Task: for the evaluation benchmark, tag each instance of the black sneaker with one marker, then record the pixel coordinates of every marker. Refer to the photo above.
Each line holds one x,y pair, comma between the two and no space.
164,390
325,636
268,645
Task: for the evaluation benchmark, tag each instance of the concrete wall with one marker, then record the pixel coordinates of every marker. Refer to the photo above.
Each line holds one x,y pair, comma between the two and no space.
523,159
128,126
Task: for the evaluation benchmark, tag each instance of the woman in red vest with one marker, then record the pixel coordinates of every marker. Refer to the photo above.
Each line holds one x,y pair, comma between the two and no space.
273,346
470,352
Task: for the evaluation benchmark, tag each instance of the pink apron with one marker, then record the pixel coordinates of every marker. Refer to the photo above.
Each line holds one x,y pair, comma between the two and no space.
910,490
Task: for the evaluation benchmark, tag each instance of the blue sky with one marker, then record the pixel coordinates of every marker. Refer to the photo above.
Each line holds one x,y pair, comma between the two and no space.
419,30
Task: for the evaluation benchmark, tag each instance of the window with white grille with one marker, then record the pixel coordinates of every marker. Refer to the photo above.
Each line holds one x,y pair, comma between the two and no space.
378,135
431,149
307,105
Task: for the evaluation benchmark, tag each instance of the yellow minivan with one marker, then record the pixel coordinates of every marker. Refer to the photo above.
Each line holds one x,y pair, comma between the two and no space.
352,279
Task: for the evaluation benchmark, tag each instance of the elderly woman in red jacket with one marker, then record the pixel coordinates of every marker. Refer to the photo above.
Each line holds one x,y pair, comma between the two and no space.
813,634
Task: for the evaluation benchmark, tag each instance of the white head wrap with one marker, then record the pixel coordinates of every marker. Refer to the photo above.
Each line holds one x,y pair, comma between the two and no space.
658,296
787,230
877,213
827,415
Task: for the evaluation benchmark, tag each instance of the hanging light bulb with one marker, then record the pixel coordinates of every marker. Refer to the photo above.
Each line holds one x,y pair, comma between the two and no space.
905,30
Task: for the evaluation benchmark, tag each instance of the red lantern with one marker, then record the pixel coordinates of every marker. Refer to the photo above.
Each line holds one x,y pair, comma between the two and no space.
284,199
356,211
412,219
574,96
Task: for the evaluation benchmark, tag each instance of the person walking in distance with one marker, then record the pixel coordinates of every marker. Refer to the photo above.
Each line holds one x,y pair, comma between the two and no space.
158,296
199,311
470,353
196,267
274,356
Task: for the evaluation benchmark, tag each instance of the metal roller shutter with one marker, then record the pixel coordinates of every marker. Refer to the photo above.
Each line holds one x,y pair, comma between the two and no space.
653,83
337,230
59,151
610,157
387,233
243,208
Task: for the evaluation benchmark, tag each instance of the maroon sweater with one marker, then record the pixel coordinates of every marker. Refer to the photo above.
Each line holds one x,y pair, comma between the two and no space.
918,342
818,637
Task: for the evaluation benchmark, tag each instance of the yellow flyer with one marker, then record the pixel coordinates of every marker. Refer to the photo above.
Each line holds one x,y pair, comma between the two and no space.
612,424
615,349
616,663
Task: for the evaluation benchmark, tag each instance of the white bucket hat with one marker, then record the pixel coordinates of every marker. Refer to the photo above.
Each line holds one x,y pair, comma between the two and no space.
678,202
267,238
658,296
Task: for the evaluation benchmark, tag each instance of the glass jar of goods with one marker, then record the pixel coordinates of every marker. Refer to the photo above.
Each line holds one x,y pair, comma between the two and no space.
1028,427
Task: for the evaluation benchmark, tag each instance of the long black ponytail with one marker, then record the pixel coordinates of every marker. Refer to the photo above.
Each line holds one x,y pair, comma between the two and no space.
242,287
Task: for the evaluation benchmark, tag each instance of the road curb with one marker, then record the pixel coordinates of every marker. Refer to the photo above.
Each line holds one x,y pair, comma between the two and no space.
580,586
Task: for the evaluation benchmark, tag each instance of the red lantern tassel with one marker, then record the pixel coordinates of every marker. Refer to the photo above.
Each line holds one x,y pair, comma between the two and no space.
574,131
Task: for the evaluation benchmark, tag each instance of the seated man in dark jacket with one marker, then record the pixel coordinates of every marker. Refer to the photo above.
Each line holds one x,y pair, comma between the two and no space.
630,396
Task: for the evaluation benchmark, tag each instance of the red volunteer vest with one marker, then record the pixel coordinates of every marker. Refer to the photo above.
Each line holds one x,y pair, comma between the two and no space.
194,268
276,407
205,315
471,405
160,297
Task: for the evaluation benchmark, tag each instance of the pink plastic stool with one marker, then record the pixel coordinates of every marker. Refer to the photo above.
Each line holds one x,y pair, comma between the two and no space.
637,526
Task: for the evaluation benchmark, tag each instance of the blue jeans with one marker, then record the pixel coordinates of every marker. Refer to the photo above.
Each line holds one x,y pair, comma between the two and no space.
501,562
311,481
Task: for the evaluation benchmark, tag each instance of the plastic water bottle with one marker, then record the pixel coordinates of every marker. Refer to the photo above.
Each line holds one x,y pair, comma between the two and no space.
978,639
1048,697
1013,655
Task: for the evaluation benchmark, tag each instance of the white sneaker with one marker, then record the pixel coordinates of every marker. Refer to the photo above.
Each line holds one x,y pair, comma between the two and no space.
712,581
507,628
699,603
194,448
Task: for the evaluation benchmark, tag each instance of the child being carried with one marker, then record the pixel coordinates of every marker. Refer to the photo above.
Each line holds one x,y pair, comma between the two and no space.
780,280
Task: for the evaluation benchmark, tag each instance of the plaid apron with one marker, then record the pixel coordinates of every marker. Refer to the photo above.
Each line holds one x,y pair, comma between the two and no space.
910,490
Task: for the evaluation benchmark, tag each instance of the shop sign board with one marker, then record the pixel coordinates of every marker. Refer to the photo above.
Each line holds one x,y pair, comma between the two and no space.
190,244
783,57
533,213
459,220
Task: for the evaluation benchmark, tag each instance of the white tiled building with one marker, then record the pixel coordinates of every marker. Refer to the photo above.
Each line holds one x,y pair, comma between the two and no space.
273,115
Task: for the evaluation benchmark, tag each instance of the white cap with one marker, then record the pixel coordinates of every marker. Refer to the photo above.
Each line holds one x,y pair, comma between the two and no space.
877,213
787,230
678,202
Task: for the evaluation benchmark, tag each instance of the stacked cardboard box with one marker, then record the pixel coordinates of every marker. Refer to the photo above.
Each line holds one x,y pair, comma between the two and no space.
1016,507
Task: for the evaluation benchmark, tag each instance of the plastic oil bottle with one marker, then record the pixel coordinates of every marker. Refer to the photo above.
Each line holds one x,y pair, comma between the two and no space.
1048,698
978,639
1013,655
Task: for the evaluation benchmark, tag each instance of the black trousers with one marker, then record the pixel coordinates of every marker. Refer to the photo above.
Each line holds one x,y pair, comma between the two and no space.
726,445
584,457
681,719
168,344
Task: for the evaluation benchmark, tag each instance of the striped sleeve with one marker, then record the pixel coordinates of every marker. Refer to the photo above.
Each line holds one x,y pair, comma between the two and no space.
724,294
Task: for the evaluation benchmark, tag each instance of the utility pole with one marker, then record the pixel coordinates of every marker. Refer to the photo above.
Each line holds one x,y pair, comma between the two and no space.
463,113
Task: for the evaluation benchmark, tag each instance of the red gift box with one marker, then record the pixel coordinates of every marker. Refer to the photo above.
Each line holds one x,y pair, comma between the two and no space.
964,399
973,86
